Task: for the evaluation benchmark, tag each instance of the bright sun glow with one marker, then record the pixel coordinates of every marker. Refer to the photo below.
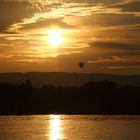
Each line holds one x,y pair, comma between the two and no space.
54,38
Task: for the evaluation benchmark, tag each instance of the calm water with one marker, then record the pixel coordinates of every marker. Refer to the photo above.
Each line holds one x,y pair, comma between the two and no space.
65,127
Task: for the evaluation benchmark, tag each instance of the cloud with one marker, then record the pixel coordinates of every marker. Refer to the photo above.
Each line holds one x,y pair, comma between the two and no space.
116,45
105,2
116,60
116,64
31,11
14,11
58,12
53,10
107,19
126,68
46,23
129,6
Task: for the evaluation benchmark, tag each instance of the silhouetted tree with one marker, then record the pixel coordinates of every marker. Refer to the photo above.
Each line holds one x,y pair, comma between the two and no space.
28,85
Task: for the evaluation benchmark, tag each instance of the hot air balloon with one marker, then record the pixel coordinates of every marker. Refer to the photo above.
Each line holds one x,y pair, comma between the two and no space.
81,64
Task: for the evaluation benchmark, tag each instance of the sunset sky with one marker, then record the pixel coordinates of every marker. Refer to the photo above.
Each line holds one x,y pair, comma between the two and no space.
55,35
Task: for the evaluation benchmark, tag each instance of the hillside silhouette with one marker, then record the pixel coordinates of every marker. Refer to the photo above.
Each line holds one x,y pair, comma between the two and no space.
66,79
101,97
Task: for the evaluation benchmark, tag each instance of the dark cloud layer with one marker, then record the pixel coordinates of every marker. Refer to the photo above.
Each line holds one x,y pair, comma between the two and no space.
133,6
116,45
14,11
110,19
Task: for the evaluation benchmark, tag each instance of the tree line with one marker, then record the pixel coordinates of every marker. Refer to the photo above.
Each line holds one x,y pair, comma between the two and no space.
102,97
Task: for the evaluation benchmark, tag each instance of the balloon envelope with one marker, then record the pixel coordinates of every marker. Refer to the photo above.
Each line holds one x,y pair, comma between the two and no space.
81,64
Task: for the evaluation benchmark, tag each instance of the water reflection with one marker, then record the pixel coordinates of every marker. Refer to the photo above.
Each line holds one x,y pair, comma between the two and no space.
55,127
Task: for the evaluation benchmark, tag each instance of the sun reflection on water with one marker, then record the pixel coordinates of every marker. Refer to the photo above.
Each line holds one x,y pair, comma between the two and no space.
55,127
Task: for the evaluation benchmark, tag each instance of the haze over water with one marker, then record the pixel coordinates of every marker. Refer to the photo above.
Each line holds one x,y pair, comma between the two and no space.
69,127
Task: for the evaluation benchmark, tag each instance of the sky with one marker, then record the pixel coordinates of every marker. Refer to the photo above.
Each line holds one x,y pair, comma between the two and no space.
55,35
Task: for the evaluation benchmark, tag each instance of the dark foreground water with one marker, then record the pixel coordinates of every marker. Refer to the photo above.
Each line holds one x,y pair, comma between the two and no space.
66,127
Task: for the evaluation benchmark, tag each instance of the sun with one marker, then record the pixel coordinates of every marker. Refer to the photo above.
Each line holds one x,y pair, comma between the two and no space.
55,38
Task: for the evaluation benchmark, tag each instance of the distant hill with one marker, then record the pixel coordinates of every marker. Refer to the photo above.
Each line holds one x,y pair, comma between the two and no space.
39,79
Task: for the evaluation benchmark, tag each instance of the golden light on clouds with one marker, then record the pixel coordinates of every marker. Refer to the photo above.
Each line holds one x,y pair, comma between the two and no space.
55,38
35,33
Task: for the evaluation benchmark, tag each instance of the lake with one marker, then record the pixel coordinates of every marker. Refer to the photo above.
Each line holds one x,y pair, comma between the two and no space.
69,127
